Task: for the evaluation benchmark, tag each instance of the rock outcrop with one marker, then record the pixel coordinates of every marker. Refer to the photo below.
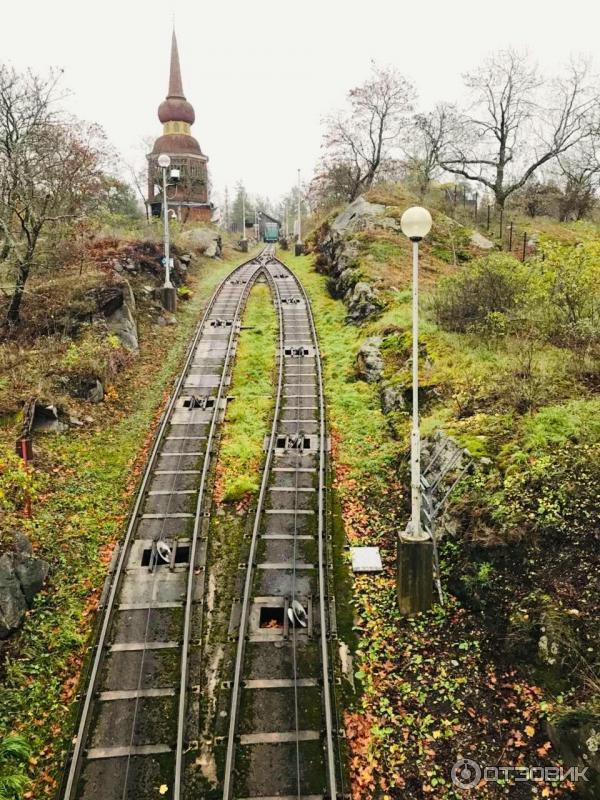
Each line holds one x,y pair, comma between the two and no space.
211,249
442,459
480,241
22,575
46,419
576,736
356,216
369,368
362,301
120,317
393,399
369,362
338,259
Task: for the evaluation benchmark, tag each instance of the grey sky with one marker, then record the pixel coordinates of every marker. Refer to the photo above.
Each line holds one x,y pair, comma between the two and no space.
262,74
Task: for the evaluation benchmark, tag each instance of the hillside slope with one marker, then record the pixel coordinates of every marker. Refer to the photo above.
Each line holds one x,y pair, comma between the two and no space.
505,671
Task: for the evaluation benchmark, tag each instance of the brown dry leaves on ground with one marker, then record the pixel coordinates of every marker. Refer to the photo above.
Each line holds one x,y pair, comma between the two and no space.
429,694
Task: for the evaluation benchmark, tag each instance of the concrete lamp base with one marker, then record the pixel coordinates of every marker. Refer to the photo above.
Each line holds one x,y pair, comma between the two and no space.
169,298
298,249
244,245
415,575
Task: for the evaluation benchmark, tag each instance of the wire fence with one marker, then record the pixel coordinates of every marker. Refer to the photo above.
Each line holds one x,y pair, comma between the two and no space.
473,208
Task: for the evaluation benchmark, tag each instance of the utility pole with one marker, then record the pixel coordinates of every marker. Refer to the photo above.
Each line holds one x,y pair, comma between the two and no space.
298,248
226,208
244,241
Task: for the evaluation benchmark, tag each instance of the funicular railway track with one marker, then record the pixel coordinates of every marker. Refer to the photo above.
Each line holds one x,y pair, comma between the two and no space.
280,740
131,734
136,730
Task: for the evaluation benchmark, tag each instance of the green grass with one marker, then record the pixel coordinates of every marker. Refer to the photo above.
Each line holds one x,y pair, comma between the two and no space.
417,677
384,251
252,387
558,425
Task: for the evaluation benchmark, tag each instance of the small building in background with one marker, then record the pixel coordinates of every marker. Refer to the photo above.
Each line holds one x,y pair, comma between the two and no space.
188,198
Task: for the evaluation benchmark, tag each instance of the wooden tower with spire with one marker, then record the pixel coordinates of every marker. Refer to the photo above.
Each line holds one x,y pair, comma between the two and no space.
188,199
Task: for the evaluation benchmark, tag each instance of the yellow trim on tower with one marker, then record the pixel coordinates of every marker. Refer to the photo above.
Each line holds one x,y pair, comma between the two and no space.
177,127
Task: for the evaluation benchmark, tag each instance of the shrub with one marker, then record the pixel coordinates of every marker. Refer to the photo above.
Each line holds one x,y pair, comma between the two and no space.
554,493
483,296
554,297
93,356
449,241
569,288
16,484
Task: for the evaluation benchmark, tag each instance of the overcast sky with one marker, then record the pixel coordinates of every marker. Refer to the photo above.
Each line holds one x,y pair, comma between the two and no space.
261,74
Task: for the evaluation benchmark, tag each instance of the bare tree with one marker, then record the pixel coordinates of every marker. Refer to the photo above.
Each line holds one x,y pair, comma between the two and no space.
539,197
49,169
517,122
426,140
358,144
138,171
580,168
332,185
241,202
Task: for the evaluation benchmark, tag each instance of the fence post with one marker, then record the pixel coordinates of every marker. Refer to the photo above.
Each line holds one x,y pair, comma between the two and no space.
488,217
524,246
476,202
25,452
510,237
501,228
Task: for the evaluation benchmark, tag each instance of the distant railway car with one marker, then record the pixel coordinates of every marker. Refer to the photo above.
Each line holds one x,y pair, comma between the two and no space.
271,232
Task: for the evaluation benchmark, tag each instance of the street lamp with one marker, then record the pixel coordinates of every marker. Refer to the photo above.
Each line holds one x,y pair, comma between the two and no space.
244,241
415,224
298,246
414,562
169,293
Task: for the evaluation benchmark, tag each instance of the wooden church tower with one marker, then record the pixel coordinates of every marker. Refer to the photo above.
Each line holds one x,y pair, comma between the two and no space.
188,198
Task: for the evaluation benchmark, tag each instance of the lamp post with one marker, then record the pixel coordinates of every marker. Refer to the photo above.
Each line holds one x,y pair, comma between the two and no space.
414,554
169,293
298,246
244,240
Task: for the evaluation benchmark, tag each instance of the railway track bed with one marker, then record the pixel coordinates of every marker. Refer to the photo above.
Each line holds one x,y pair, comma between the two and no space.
274,729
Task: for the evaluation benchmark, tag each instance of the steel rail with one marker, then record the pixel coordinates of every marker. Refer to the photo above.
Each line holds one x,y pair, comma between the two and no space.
321,544
75,761
240,650
245,610
191,574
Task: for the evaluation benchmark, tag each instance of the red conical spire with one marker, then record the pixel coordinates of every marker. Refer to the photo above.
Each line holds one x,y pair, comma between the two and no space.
175,108
175,84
